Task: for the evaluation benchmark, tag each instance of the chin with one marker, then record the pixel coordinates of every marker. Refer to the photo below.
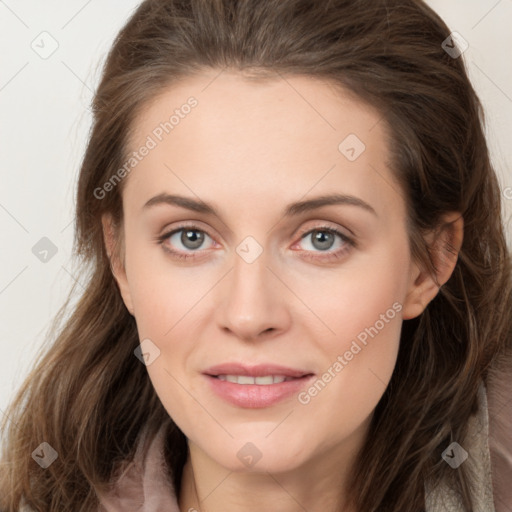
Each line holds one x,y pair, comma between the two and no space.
259,457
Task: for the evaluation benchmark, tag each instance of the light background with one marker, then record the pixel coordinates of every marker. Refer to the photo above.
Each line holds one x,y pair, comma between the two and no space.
45,122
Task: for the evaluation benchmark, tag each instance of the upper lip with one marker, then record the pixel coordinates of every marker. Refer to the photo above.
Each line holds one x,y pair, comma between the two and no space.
259,370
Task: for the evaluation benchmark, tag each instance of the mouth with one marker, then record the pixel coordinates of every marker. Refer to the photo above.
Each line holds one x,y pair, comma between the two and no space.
265,370
257,386
264,380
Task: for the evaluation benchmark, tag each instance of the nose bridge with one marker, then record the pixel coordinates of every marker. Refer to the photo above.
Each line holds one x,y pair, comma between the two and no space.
252,302
250,281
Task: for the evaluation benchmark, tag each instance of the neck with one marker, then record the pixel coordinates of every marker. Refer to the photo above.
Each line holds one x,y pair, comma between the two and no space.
320,484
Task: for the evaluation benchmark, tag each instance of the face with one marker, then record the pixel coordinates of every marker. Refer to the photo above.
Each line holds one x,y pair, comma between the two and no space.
266,276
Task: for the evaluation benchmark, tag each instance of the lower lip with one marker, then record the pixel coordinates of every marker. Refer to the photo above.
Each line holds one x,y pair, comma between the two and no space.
254,396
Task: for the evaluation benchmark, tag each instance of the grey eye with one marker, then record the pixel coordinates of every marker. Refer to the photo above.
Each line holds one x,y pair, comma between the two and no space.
322,240
191,238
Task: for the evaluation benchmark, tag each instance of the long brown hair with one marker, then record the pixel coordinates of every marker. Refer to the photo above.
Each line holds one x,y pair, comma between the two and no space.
90,398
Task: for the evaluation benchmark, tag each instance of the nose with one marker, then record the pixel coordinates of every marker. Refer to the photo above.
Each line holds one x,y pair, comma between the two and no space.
252,301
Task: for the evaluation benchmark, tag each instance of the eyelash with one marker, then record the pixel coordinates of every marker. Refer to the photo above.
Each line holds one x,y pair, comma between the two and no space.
349,243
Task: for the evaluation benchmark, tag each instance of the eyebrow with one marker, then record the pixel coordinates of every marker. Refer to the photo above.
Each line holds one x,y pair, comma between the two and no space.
291,210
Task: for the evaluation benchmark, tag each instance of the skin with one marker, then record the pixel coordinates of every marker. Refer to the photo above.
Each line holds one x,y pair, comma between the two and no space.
251,148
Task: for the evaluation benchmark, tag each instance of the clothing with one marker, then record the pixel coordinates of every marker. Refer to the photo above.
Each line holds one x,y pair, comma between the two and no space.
143,487
443,498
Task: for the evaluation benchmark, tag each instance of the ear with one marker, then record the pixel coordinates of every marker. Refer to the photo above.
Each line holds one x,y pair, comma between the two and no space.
113,246
445,244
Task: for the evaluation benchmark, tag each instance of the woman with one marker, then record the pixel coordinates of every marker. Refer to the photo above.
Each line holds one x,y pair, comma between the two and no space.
300,290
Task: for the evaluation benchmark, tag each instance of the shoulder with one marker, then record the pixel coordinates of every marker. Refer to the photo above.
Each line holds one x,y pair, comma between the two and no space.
499,397
485,453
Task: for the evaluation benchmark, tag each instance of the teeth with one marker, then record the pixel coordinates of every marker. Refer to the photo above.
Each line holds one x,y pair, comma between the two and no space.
246,379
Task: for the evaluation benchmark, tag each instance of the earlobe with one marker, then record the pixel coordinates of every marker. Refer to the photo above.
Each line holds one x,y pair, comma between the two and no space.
445,244
110,237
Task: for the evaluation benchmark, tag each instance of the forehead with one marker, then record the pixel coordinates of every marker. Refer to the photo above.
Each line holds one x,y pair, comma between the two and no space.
282,136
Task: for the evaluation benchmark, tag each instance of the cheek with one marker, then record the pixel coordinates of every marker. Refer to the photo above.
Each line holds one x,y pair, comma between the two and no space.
161,293
362,309
365,322
364,298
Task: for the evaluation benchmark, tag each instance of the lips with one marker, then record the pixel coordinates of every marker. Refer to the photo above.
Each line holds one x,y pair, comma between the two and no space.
256,386
260,370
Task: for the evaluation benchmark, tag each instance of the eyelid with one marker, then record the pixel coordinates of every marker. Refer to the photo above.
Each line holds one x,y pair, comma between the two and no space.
192,225
326,225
